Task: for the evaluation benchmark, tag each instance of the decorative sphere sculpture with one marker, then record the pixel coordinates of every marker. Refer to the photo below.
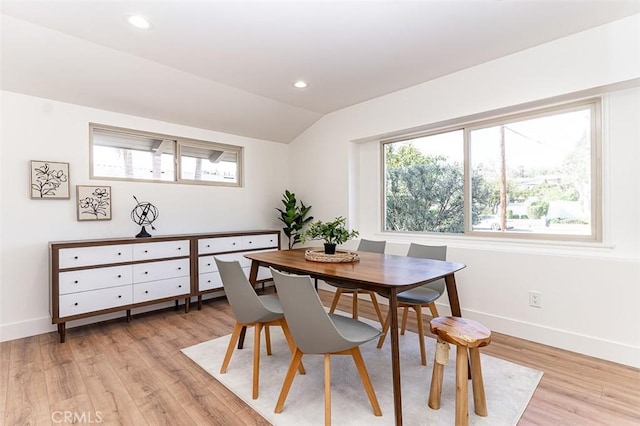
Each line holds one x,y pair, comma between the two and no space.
144,213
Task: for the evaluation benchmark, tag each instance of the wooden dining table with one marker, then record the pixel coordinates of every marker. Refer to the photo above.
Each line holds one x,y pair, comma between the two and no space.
385,274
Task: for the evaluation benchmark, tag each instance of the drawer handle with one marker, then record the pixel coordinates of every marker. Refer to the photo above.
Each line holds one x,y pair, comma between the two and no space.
119,276
250,242
146,251
208,264
208,245
179,268
146,292
75,257
233,244
75,304
179,248
75,282
179,285
119,296
146,272
119,254
208,281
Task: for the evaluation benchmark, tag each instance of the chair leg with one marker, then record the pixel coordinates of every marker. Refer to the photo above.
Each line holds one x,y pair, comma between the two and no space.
327,390
336,297
354,304
290,342
366,381
288,380
257,329
434,310
376,306
462,390
232,344
267,338
385,329
423,351
479,400
405,315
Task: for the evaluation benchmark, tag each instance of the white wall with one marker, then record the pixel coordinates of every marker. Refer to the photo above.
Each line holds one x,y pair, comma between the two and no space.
40,129
589,291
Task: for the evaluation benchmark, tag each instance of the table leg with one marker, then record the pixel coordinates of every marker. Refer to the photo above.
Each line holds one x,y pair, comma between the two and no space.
395,355
253,277
452,292
454,303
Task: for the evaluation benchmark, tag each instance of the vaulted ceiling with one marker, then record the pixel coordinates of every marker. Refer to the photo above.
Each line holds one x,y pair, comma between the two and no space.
229,65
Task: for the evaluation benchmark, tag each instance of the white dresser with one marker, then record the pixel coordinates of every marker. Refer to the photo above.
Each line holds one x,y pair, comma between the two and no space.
230,248
95,277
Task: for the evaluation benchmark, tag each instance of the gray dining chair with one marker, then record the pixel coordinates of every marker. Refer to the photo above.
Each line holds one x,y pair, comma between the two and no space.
419,297
249,309
315,331
371,247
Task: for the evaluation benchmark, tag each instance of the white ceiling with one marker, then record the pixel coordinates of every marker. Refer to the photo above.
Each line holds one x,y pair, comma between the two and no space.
229,65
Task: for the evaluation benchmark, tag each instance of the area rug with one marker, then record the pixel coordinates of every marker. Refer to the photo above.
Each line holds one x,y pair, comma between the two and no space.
508,386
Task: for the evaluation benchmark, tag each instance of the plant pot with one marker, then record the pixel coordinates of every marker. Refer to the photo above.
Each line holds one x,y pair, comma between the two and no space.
329,248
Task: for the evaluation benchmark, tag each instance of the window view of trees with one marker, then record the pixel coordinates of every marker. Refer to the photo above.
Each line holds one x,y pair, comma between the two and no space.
532,175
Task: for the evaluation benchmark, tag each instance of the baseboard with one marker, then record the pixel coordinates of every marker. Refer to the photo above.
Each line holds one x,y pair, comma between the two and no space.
618,352
33,327
18,330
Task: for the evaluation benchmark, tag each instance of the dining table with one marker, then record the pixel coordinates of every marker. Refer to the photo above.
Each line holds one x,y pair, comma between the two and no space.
385,274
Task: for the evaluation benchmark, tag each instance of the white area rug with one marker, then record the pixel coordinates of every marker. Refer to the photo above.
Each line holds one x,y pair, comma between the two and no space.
508,386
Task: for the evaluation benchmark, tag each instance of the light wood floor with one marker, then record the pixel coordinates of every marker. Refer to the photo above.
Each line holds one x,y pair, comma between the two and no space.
134,374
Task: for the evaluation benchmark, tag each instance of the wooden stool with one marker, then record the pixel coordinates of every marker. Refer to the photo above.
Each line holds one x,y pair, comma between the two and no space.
464,333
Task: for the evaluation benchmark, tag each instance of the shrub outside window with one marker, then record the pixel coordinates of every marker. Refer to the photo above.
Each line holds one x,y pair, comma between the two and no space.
530,175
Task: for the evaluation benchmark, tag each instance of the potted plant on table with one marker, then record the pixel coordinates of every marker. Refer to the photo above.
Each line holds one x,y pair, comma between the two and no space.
333,233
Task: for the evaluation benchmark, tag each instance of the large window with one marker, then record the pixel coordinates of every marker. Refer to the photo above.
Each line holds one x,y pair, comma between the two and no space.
118,153
533,174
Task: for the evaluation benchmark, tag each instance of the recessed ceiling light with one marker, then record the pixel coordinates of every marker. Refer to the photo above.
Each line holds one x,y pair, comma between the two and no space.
300,84
139,22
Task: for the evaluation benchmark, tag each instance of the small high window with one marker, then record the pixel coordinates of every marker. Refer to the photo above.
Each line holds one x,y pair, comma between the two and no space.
118,153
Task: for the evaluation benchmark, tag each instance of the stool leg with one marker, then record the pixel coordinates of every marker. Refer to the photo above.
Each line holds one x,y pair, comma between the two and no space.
479,400
462,391
435,392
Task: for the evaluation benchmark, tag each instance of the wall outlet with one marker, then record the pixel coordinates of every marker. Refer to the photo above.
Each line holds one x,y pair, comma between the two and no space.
535,299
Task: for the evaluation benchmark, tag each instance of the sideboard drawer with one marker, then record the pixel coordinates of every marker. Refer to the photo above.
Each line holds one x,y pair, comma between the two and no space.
98,255
147,251
95,300
219,244
152,271
259,241
93,279
207,264
209,281
160,289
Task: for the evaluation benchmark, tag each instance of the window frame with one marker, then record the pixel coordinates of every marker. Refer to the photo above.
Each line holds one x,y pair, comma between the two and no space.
179,143
467,126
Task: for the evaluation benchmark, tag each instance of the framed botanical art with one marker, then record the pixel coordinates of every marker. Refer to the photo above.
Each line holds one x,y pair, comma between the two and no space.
49,180
94,202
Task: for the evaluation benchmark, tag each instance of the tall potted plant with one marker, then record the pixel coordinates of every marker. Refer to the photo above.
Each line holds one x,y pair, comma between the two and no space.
333,233
294,217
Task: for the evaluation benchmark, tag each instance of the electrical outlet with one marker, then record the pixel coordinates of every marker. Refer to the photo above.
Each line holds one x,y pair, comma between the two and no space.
535,299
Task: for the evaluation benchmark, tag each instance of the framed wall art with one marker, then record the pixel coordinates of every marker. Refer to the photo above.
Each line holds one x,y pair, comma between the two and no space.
49,180
94,202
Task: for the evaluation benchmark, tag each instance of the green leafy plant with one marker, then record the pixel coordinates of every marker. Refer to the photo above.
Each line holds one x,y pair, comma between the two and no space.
294,217
334,232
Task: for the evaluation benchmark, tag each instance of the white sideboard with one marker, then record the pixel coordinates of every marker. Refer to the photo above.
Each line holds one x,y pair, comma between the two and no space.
95,277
